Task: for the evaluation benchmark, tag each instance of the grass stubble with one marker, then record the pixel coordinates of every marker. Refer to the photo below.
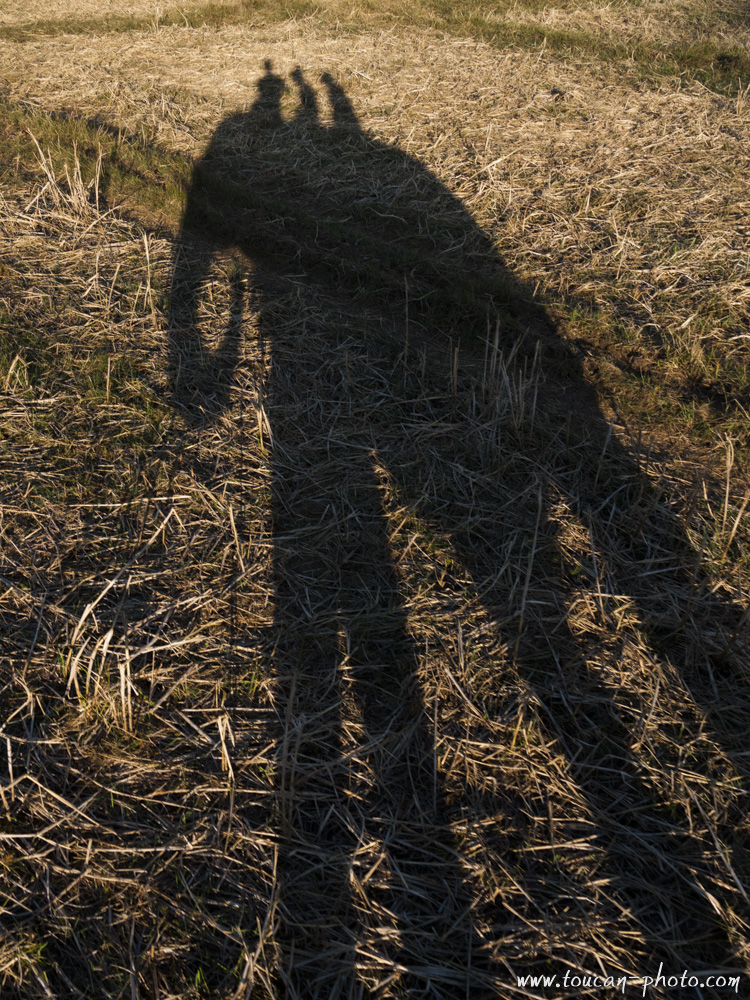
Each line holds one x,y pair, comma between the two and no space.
146,722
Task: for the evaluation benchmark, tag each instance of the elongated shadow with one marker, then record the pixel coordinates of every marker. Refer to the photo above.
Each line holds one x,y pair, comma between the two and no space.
336,223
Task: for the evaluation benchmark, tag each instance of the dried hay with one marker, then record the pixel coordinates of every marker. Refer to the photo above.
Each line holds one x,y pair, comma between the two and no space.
371,667
632,200
655,22
12,12
246,820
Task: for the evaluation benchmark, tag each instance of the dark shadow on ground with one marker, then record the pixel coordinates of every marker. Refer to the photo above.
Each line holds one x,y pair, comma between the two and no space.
331,221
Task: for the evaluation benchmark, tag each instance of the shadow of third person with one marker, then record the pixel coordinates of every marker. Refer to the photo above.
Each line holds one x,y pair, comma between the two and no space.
361,260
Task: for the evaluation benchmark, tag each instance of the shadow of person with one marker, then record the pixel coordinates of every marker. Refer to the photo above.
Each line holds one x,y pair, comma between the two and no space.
359,257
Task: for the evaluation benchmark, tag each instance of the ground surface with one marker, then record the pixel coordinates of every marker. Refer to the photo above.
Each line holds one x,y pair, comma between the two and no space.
374,560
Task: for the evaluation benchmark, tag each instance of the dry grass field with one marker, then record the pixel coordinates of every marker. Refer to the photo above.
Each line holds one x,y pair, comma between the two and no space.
374,569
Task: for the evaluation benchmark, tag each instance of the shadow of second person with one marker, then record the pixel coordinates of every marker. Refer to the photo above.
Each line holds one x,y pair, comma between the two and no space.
358,256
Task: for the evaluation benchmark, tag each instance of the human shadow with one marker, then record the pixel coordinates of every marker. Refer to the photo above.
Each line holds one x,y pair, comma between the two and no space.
332,222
